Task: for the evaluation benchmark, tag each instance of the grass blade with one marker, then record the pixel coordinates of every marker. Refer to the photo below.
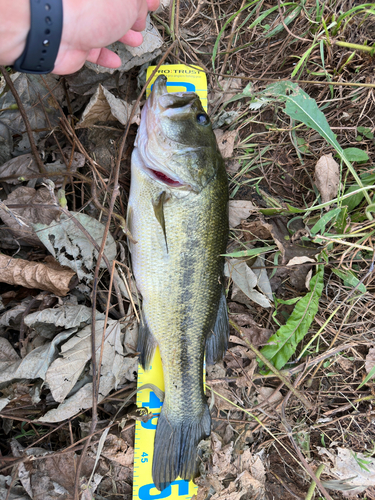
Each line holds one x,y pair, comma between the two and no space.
301,107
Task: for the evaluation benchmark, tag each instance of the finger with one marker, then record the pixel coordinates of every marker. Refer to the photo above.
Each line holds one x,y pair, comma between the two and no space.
104,57
140,23
132,38
153,4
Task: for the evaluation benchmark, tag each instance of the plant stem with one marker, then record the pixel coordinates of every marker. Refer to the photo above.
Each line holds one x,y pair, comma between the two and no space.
274,370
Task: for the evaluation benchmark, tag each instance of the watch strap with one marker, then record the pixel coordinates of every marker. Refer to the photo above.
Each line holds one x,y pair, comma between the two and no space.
43,39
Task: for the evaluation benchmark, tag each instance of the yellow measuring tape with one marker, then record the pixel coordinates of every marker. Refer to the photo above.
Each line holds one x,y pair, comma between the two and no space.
180,79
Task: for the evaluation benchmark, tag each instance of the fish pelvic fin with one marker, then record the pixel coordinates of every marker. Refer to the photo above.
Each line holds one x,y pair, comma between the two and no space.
217,340
146,343
175,449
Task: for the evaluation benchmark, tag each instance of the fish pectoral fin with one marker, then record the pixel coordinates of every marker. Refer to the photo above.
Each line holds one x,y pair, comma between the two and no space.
158,205
146,344
217,341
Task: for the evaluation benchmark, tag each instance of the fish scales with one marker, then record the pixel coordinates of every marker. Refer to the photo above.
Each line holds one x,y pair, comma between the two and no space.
181,231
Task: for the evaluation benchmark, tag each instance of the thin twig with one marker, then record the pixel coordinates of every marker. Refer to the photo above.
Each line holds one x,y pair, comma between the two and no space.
274,370
21,108
96,274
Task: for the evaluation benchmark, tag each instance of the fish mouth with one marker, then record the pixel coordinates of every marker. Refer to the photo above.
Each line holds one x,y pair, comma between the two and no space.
161,100
164,178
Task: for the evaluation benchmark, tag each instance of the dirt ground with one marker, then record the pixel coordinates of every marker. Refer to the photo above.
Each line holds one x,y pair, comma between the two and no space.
273,430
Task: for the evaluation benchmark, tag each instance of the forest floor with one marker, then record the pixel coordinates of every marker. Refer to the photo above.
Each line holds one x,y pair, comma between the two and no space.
291,98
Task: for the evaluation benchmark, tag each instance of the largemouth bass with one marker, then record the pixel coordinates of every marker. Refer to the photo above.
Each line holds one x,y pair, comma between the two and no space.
177,215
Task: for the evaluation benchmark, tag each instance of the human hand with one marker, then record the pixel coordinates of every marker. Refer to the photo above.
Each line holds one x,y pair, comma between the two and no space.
90,25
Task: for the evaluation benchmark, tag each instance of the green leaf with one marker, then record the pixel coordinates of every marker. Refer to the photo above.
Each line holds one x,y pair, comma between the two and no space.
353,201
366,132
370,374
356,154
350,279
323,221
251,252
282,345
300,106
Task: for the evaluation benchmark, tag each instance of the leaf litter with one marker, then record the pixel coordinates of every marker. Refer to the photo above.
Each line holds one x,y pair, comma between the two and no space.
273,181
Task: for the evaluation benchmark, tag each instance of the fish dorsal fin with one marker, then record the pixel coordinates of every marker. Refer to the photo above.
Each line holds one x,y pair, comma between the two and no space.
158,205
217,341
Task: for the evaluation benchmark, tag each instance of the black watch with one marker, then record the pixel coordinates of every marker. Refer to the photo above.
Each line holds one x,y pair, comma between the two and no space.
43,39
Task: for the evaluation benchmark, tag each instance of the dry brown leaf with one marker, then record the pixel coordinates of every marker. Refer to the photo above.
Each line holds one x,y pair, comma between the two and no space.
222,390
221,457
257,335
29,214
51,477
225,141
269,394
370,360
255,230
289,249
103,107
24,167
327,177
116,449
232,166
35,275
299,260
239,210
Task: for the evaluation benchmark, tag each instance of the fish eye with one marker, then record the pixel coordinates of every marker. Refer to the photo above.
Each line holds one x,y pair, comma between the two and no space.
202,119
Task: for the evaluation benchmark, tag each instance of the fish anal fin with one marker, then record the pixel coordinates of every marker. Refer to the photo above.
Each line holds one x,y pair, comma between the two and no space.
217,340
146,344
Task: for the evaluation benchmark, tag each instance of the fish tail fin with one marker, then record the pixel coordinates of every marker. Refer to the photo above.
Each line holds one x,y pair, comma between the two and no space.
175,449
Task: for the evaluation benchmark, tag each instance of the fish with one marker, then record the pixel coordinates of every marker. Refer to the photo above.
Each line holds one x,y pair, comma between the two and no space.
178,218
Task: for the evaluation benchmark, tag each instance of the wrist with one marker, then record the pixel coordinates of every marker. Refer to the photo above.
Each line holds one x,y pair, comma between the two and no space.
14,28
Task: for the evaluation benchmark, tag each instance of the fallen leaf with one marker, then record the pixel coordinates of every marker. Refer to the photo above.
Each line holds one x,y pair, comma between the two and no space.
355,471
219,402
64,372
289,249
116,449
47,321
70,246
221,458
24,167
255,230
269,394
34,96
12,317
263,281
50,477
225,141
308,279
327,177
245,280
21,220
35,275
300,260
238,211
36,363
11,490
370,361
104,106
81,400
232,166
